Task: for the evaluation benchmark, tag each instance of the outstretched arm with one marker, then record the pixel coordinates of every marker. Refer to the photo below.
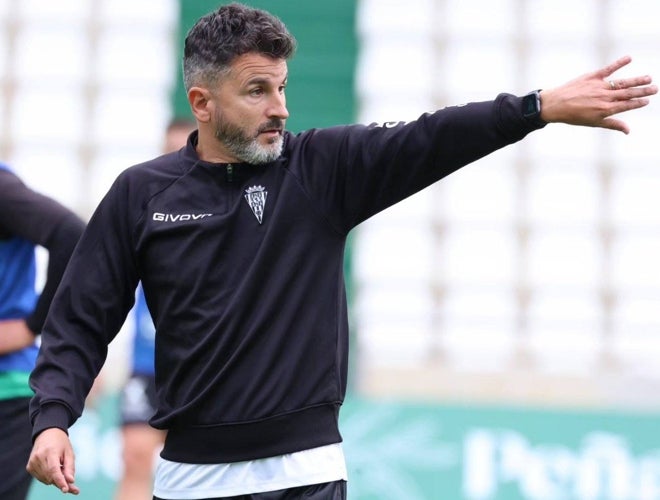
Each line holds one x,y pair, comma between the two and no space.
591,99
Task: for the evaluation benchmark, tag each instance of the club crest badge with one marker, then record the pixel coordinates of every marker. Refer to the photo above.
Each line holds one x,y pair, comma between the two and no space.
256,198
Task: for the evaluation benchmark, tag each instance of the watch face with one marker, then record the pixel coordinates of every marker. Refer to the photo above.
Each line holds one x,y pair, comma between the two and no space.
531,104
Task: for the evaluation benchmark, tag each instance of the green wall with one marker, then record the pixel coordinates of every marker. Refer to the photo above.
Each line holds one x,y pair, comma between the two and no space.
415,451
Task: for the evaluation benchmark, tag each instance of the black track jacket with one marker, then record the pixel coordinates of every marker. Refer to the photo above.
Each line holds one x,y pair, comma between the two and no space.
242,268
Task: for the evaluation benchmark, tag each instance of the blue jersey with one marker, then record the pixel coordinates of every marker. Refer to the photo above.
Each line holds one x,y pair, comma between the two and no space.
17,293
144,337
29,219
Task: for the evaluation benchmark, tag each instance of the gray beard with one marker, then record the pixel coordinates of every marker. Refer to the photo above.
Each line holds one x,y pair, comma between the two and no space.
247,149
254,153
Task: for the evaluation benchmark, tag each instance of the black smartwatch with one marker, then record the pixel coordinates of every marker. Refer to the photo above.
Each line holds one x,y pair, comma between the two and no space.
531,107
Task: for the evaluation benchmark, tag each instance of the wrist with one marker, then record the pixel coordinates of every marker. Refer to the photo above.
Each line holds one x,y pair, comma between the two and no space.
532,107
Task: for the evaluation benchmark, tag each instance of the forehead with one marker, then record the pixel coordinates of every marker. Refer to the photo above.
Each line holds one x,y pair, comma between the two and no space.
257,67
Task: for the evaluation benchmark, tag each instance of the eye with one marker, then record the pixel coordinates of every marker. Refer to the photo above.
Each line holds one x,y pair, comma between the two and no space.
256,92
281,89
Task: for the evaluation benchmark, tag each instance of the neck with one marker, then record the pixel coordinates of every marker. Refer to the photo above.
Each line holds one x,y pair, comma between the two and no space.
209,149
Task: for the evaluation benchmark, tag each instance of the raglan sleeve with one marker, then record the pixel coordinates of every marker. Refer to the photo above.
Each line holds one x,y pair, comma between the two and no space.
358,171
88,309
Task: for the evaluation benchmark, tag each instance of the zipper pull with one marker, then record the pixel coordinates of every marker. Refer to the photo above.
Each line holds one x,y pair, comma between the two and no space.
230,172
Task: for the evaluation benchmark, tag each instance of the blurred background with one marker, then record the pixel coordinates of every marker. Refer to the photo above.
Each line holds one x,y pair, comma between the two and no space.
505,321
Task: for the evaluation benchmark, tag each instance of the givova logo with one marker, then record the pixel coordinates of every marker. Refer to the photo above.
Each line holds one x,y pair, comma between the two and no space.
158,216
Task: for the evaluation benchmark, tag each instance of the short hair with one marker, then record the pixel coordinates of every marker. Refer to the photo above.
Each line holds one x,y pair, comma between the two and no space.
228,32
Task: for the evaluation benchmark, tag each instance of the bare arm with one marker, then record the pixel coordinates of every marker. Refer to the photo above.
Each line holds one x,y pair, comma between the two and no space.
14,335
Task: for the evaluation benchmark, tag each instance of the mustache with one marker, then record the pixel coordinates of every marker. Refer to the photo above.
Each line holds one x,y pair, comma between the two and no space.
273,124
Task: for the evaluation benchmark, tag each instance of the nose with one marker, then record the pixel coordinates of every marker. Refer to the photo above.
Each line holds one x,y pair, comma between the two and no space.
277,108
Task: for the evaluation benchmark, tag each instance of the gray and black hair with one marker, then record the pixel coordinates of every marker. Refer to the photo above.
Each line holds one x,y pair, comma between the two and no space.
228,32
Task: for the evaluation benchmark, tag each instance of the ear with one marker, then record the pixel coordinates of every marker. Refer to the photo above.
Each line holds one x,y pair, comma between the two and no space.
200,103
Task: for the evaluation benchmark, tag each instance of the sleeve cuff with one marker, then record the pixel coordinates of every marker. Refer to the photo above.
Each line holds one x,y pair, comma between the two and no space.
51,415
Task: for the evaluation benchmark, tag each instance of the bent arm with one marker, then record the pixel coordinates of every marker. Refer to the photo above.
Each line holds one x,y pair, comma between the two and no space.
41,220
14,335
88,310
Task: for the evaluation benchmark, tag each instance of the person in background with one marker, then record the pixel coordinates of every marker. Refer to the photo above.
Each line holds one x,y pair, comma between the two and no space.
137,401
27,219
238,240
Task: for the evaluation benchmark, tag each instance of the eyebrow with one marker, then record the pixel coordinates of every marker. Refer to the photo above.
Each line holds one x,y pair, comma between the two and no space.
264,81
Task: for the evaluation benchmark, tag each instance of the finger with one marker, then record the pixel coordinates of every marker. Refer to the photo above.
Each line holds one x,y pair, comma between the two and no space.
627,105
629,83
56,476
606,71
73,489
614,124
621,107
638,97
69,467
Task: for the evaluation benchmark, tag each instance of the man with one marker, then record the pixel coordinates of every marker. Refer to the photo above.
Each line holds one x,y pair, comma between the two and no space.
27,219
138,399
238,241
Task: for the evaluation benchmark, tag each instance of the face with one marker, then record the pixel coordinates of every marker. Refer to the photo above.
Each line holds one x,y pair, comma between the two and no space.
249,110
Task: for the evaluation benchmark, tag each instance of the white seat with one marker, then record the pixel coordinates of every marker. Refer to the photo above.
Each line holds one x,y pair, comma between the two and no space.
484,192
635,150
110,162
631,25
5,9
53,169
163,13
114,117
387,16
635,200
395,342
563,196
136,58
482,20
60,113
71,11
477,328
464,65
484,256
55,53
374,71
564,329
548,20
637,311
571,55
635,339
579,309
634,261
564,259
392,299
4,55
394,252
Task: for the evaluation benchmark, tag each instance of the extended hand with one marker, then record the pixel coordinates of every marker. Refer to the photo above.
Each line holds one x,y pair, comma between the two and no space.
592,99
52,460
